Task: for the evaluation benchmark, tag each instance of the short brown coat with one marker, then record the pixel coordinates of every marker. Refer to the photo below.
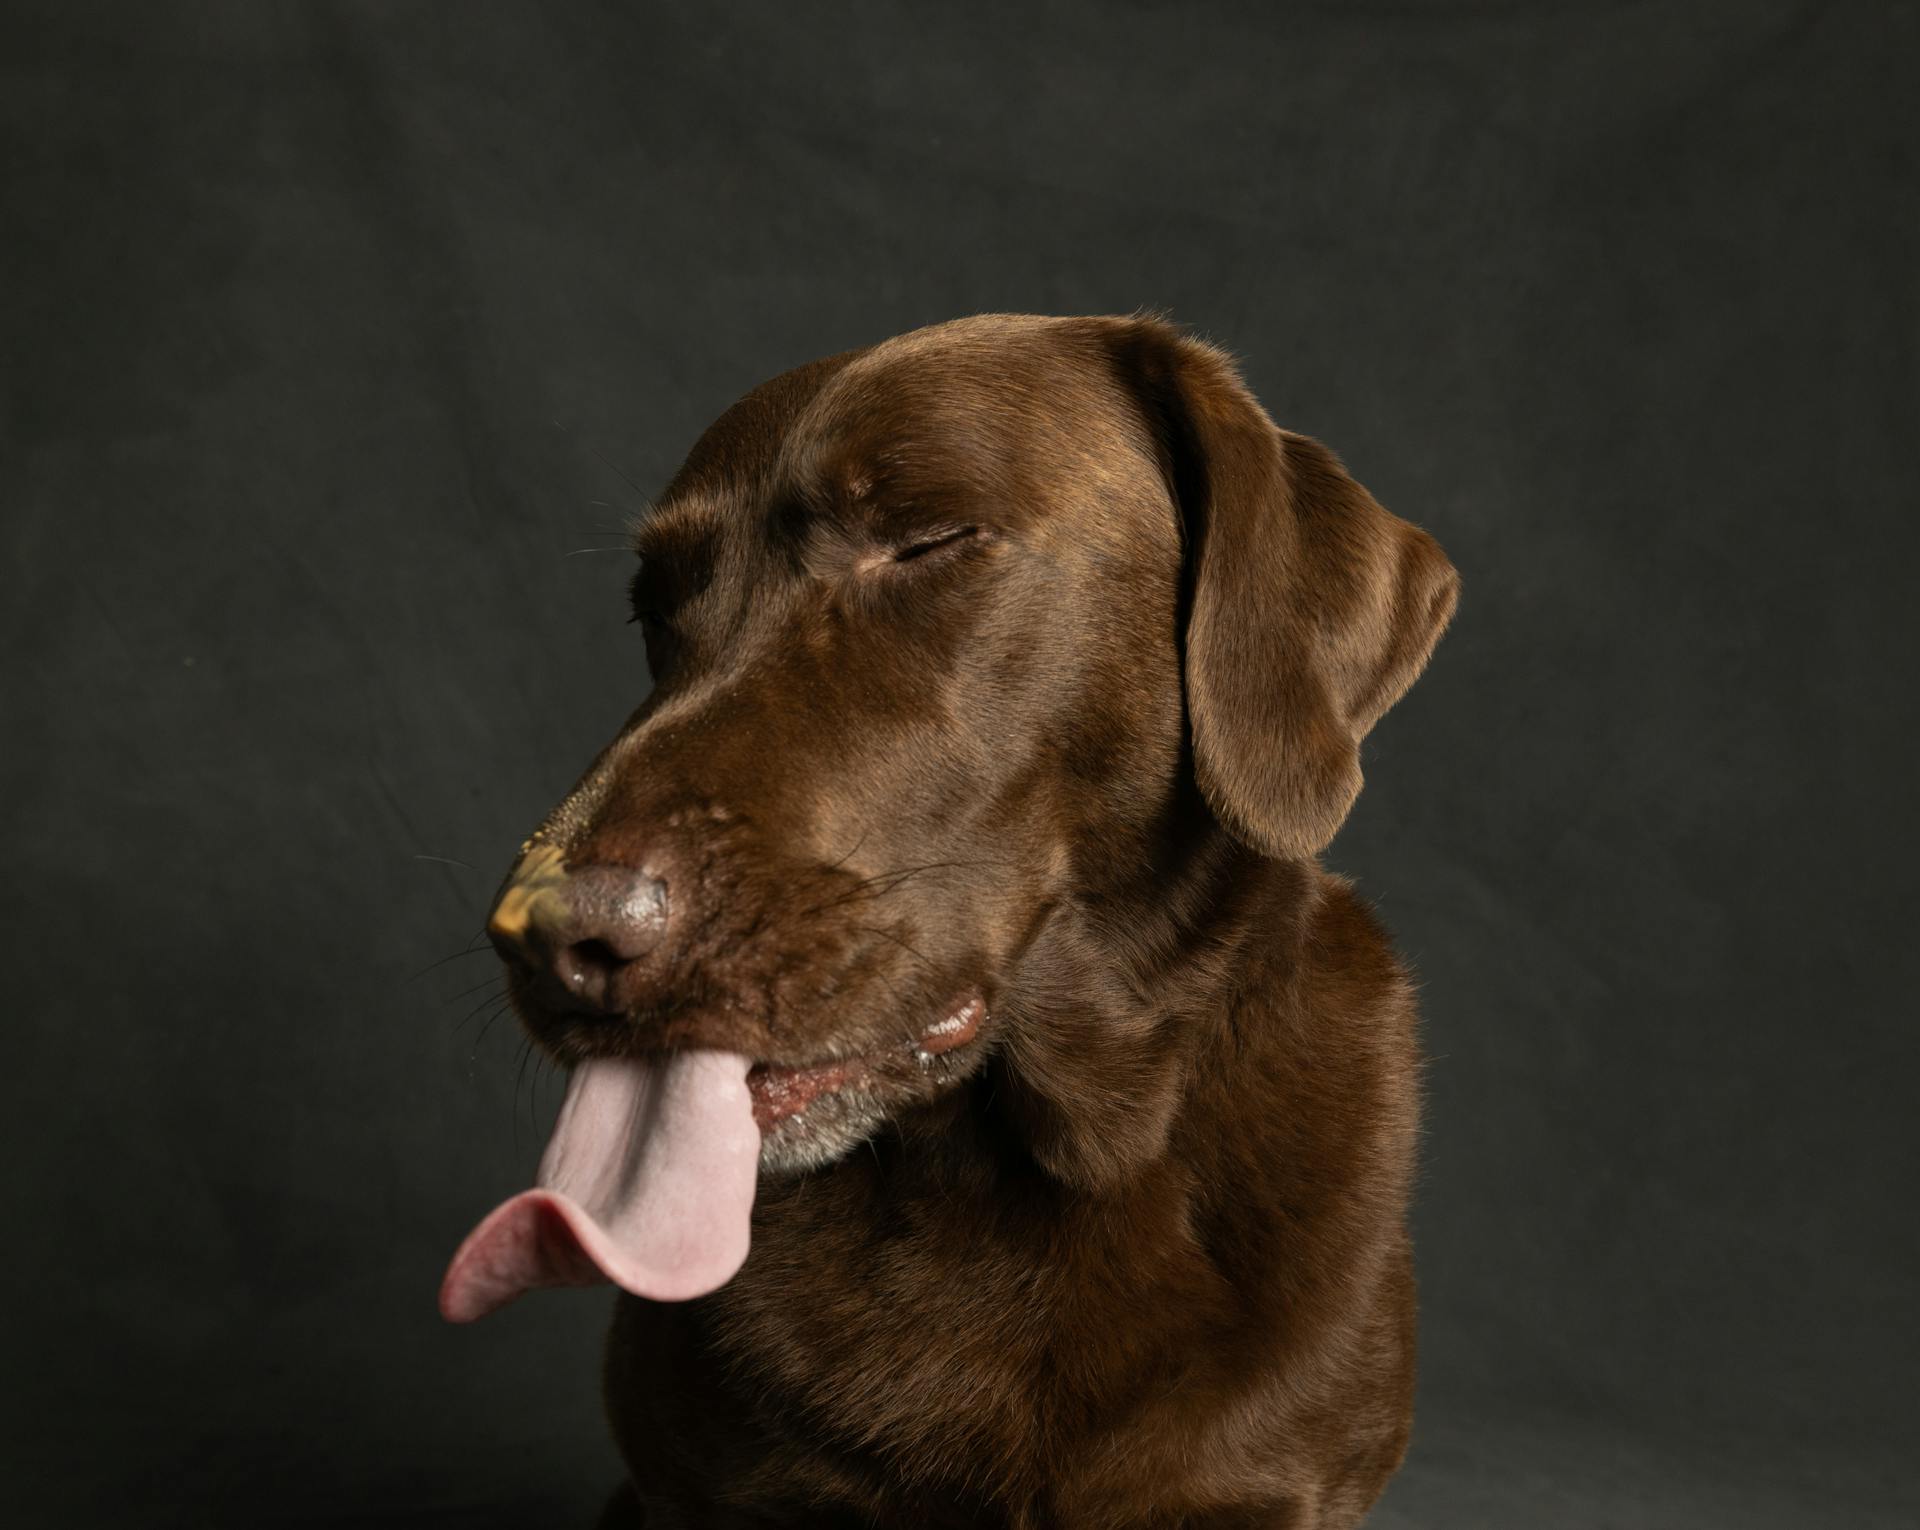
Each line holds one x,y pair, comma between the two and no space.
1140,1258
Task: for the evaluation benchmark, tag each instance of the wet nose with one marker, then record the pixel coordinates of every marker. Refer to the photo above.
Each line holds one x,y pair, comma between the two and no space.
581,924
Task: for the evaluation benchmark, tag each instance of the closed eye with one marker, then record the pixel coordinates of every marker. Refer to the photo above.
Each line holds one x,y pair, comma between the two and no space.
934,542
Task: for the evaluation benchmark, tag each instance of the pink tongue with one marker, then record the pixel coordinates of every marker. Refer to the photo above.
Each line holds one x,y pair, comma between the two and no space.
648,1183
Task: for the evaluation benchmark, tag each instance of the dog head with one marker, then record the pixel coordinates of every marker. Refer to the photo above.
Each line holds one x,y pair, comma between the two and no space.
951,639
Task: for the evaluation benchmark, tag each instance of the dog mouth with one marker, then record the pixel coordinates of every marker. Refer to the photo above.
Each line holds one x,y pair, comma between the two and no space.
782,1091
648,1179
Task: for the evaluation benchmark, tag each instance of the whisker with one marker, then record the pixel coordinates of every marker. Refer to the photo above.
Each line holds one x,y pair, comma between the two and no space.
505,1007
483,983
617,472
610,466
444,860
490,1000
470,950
851,853
540,1069
867,929
893,879
519,1072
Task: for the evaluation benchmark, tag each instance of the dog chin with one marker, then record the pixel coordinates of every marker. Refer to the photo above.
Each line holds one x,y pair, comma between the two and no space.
827,1130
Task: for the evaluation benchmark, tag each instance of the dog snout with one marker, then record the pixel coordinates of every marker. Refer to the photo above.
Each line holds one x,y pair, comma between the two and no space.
581,925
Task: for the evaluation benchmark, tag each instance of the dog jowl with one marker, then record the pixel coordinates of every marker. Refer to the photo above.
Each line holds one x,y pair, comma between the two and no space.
1008,678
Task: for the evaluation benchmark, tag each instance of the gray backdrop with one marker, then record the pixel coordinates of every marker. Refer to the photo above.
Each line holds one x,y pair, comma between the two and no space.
333,332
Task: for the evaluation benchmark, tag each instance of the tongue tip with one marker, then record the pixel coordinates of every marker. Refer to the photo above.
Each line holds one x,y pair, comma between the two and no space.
459,1303
522,1245
544,1238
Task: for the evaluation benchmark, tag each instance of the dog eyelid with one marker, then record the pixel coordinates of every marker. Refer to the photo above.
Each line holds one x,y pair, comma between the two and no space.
930,542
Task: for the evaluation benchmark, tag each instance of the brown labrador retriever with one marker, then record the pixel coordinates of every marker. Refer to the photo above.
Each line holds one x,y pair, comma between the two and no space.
946,929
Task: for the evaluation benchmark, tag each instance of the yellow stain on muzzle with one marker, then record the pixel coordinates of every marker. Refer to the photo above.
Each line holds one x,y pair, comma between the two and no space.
535,894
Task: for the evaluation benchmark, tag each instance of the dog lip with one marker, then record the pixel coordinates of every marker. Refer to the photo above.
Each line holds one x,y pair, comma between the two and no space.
961,1025
782,1090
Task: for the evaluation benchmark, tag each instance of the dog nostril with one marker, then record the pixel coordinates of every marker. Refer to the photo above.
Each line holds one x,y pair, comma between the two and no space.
593,956
587,968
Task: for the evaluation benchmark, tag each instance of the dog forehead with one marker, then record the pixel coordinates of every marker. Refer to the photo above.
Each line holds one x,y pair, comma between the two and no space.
1017,410
744,444
980,402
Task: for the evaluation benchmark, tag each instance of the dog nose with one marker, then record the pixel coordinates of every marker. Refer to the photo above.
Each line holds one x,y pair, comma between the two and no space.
582,924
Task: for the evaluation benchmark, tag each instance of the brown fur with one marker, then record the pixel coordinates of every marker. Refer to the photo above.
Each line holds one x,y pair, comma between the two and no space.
1136,1256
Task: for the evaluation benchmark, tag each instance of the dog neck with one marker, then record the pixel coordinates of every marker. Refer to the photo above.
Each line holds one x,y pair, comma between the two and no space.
1124,988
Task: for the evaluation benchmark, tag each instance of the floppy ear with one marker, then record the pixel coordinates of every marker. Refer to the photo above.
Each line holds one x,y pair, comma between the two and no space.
1309,609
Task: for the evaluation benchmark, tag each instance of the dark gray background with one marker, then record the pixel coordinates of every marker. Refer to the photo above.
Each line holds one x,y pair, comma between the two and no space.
332,331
